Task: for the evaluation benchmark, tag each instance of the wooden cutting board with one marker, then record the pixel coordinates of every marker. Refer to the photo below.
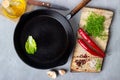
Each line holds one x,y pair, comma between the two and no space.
29,8
83,61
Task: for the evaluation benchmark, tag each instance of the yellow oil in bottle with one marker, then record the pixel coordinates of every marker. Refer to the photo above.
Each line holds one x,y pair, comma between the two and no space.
15,8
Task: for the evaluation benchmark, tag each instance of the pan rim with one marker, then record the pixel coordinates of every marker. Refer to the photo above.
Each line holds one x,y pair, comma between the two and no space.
73,37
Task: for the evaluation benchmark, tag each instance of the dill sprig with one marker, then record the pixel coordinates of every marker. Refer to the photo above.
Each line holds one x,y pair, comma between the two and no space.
95,24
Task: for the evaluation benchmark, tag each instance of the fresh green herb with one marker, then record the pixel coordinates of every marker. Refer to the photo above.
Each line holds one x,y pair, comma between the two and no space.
95,24
104,36
98,65
30,45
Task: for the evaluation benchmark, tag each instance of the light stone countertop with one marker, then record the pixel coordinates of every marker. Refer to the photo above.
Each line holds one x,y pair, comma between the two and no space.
13,68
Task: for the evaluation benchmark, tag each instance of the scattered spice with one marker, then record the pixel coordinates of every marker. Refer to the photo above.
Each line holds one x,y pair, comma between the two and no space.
95,24
80,62
85,69
88,59
92,63
82,56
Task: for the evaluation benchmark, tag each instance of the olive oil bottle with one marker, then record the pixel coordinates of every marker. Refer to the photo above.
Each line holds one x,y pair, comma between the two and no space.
13,8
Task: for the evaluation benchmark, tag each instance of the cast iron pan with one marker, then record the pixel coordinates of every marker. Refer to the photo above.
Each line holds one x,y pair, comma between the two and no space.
53,34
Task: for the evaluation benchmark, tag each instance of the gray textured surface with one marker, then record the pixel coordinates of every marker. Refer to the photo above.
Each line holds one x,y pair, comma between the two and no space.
12,68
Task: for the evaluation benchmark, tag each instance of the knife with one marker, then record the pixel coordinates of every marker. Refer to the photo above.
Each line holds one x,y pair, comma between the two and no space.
46,4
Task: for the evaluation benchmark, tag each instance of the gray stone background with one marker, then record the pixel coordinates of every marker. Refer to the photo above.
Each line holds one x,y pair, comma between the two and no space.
12,67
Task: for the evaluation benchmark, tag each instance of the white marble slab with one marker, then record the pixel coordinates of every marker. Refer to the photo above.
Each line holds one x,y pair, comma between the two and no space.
12,67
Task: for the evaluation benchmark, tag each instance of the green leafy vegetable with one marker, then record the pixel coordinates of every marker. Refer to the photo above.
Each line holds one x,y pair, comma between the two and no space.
104,36
30,45
98,65
95,24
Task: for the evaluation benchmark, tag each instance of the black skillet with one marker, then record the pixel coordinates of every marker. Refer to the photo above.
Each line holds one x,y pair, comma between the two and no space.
53,34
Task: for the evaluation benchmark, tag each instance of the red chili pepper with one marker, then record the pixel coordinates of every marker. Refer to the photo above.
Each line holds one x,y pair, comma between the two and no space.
89,40
87,48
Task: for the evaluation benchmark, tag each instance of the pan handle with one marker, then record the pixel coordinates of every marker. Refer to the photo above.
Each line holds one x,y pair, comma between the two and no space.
77,8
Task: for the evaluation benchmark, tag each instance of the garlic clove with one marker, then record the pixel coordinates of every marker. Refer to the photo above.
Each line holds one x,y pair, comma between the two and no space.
62,72
52,74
